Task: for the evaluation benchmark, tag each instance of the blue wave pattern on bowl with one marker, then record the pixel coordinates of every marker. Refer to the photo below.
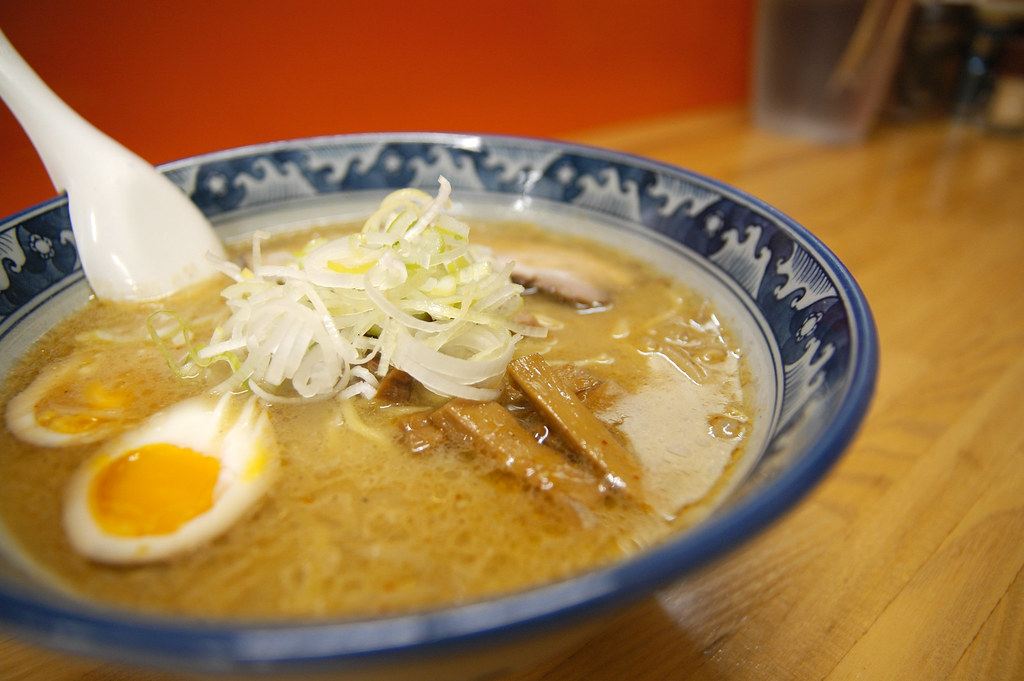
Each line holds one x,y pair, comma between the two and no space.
37,250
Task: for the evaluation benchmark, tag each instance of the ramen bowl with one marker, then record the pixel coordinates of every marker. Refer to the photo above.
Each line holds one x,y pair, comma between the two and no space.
804,325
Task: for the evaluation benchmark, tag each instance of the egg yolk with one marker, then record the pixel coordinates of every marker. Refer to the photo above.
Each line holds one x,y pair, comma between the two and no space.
81,409
154,489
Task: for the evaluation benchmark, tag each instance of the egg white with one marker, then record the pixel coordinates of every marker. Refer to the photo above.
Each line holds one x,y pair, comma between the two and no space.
21,416
248,455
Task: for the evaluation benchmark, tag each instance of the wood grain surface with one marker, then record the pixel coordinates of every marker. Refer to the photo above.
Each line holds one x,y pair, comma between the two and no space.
907,562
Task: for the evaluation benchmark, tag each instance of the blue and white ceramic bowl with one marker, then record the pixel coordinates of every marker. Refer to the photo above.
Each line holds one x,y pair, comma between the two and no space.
802,319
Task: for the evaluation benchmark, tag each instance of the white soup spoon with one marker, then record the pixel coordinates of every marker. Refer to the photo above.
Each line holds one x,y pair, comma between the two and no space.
138,236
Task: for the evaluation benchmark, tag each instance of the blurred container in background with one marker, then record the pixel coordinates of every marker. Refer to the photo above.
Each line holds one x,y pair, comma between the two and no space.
991,88
823,68
1004,111
963,58
931,69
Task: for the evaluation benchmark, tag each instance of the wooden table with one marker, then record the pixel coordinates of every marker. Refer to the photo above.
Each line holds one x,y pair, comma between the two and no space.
907,562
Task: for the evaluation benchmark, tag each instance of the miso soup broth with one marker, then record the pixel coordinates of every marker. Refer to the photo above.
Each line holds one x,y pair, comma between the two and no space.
367,513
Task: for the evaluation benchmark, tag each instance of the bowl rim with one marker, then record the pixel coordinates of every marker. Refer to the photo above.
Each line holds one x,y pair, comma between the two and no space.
191,643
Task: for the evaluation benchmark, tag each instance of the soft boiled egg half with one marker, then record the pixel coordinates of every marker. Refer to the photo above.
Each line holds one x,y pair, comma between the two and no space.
177,481
81,399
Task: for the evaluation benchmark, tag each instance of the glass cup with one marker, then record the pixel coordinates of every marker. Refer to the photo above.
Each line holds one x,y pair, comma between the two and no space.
822,68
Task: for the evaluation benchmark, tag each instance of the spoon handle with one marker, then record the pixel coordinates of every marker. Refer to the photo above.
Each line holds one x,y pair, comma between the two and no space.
62,138
138,235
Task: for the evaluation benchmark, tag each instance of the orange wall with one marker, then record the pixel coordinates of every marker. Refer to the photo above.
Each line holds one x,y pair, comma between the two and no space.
173,79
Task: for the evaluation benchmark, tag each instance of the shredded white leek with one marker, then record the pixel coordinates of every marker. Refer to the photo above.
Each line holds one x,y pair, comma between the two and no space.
407,290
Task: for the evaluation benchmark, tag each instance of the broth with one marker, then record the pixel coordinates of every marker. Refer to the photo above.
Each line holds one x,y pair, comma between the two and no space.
357,522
